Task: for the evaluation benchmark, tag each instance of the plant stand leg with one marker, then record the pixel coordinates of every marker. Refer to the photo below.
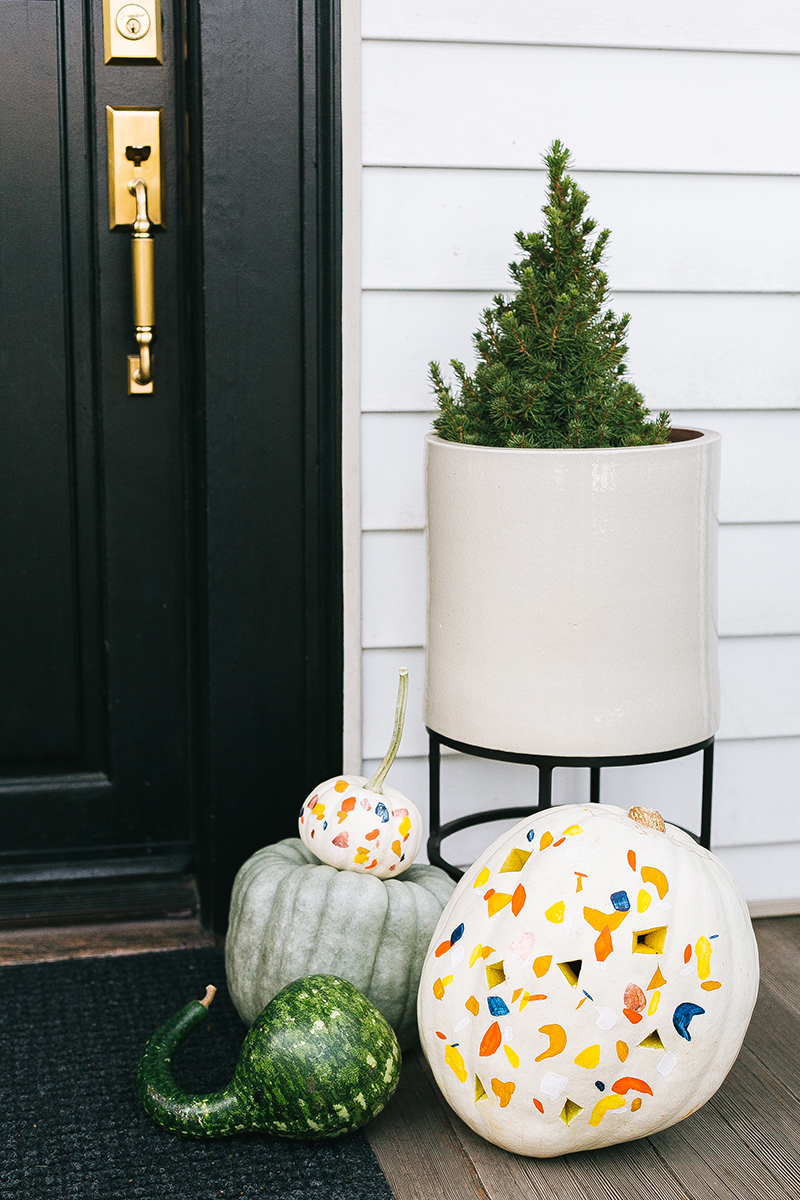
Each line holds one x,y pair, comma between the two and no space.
434,784
708,788
545,786
594,785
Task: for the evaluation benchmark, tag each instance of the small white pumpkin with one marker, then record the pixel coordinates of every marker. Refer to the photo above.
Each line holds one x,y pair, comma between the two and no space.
590,981
359,825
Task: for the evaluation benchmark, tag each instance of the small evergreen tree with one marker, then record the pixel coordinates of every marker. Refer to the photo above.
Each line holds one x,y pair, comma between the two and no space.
551,369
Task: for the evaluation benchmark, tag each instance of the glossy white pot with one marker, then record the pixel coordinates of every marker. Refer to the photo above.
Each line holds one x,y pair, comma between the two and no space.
572,596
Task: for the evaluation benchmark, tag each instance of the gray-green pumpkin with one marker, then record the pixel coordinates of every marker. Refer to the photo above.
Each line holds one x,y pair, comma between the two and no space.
293,916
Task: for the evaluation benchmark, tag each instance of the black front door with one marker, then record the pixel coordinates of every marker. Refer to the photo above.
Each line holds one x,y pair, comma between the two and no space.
169,565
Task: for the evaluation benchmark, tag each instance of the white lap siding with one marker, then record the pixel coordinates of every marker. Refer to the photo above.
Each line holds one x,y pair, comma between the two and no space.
682,122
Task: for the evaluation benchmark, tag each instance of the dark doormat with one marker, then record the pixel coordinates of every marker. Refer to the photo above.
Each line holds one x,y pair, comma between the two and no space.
70,1038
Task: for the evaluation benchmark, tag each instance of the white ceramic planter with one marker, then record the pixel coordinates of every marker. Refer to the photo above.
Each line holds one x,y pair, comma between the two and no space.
572,596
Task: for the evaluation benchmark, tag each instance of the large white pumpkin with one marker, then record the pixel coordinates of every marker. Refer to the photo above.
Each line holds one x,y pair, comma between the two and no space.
590,981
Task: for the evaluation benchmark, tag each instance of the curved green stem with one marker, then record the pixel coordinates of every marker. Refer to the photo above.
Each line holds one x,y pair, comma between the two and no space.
376,783
215,1114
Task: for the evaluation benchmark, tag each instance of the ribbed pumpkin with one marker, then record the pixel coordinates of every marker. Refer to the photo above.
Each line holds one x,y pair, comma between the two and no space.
292,916
590,981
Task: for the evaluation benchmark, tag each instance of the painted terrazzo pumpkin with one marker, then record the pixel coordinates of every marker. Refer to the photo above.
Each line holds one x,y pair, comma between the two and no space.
357,825
590,981
292,916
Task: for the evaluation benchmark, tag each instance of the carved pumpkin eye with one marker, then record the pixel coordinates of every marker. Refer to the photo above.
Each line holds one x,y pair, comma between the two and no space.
650,941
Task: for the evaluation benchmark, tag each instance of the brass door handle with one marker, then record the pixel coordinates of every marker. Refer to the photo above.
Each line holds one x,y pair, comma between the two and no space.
136,202
140,367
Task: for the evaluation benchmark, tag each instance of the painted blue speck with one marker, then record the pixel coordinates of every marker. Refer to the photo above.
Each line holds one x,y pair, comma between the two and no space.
497,1006
713,935
381,811
588,997
531,835
457,934
402,858
324,825
683,1015
601,1087
620,901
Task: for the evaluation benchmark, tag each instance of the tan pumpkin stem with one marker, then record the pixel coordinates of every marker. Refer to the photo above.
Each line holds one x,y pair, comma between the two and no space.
648,817
211,992
376,783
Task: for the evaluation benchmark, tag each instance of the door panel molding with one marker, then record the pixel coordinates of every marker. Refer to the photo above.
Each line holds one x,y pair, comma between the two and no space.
270,254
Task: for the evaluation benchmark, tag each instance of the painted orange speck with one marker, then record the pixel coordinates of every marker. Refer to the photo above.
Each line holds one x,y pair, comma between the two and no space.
604,945
504,1091
491,1041
631,1083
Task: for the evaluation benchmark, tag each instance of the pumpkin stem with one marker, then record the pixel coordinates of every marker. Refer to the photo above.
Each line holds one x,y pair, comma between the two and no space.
376,783
211,992
648,817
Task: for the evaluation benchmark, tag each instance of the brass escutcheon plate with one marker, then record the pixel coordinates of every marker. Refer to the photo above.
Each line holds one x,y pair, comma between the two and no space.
132,31
133,127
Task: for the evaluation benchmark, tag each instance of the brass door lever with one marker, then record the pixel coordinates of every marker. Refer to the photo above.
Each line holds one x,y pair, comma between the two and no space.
140,367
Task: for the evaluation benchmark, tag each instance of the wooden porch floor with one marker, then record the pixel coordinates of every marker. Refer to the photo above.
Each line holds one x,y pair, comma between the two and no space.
744,1143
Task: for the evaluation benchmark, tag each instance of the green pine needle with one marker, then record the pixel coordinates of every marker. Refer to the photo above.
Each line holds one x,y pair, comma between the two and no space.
551,364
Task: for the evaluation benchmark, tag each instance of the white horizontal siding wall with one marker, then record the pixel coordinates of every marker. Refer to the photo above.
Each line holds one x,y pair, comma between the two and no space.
682,122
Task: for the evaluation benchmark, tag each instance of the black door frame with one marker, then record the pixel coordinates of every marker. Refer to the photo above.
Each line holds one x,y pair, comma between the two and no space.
262,100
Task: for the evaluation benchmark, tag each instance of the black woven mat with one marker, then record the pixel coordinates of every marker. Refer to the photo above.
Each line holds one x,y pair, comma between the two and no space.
71,1125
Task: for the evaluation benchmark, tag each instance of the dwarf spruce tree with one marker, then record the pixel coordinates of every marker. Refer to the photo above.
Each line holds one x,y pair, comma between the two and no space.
551,370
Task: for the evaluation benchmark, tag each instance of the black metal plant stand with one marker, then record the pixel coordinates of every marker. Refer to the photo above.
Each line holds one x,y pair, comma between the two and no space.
546,764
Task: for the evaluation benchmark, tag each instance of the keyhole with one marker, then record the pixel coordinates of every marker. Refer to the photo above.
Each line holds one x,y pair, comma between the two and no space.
137,154
133,21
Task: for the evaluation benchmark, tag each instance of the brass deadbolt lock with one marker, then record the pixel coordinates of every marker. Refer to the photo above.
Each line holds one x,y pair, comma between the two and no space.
133,21
132,31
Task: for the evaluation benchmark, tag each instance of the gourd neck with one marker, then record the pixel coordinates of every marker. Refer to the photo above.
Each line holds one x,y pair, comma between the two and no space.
214,1114
376,783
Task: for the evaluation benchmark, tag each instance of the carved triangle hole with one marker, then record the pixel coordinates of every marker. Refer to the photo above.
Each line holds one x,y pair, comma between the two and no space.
572,971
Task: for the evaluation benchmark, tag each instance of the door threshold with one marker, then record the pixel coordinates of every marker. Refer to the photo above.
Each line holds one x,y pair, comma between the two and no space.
48,944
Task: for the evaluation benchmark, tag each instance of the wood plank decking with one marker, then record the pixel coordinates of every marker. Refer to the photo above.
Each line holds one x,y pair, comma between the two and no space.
744,1143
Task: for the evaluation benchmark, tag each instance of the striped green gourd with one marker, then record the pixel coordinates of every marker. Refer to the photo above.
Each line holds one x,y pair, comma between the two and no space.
320,1061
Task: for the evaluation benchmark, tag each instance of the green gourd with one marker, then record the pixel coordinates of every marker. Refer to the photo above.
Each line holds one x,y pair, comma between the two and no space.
320,1061
291,916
